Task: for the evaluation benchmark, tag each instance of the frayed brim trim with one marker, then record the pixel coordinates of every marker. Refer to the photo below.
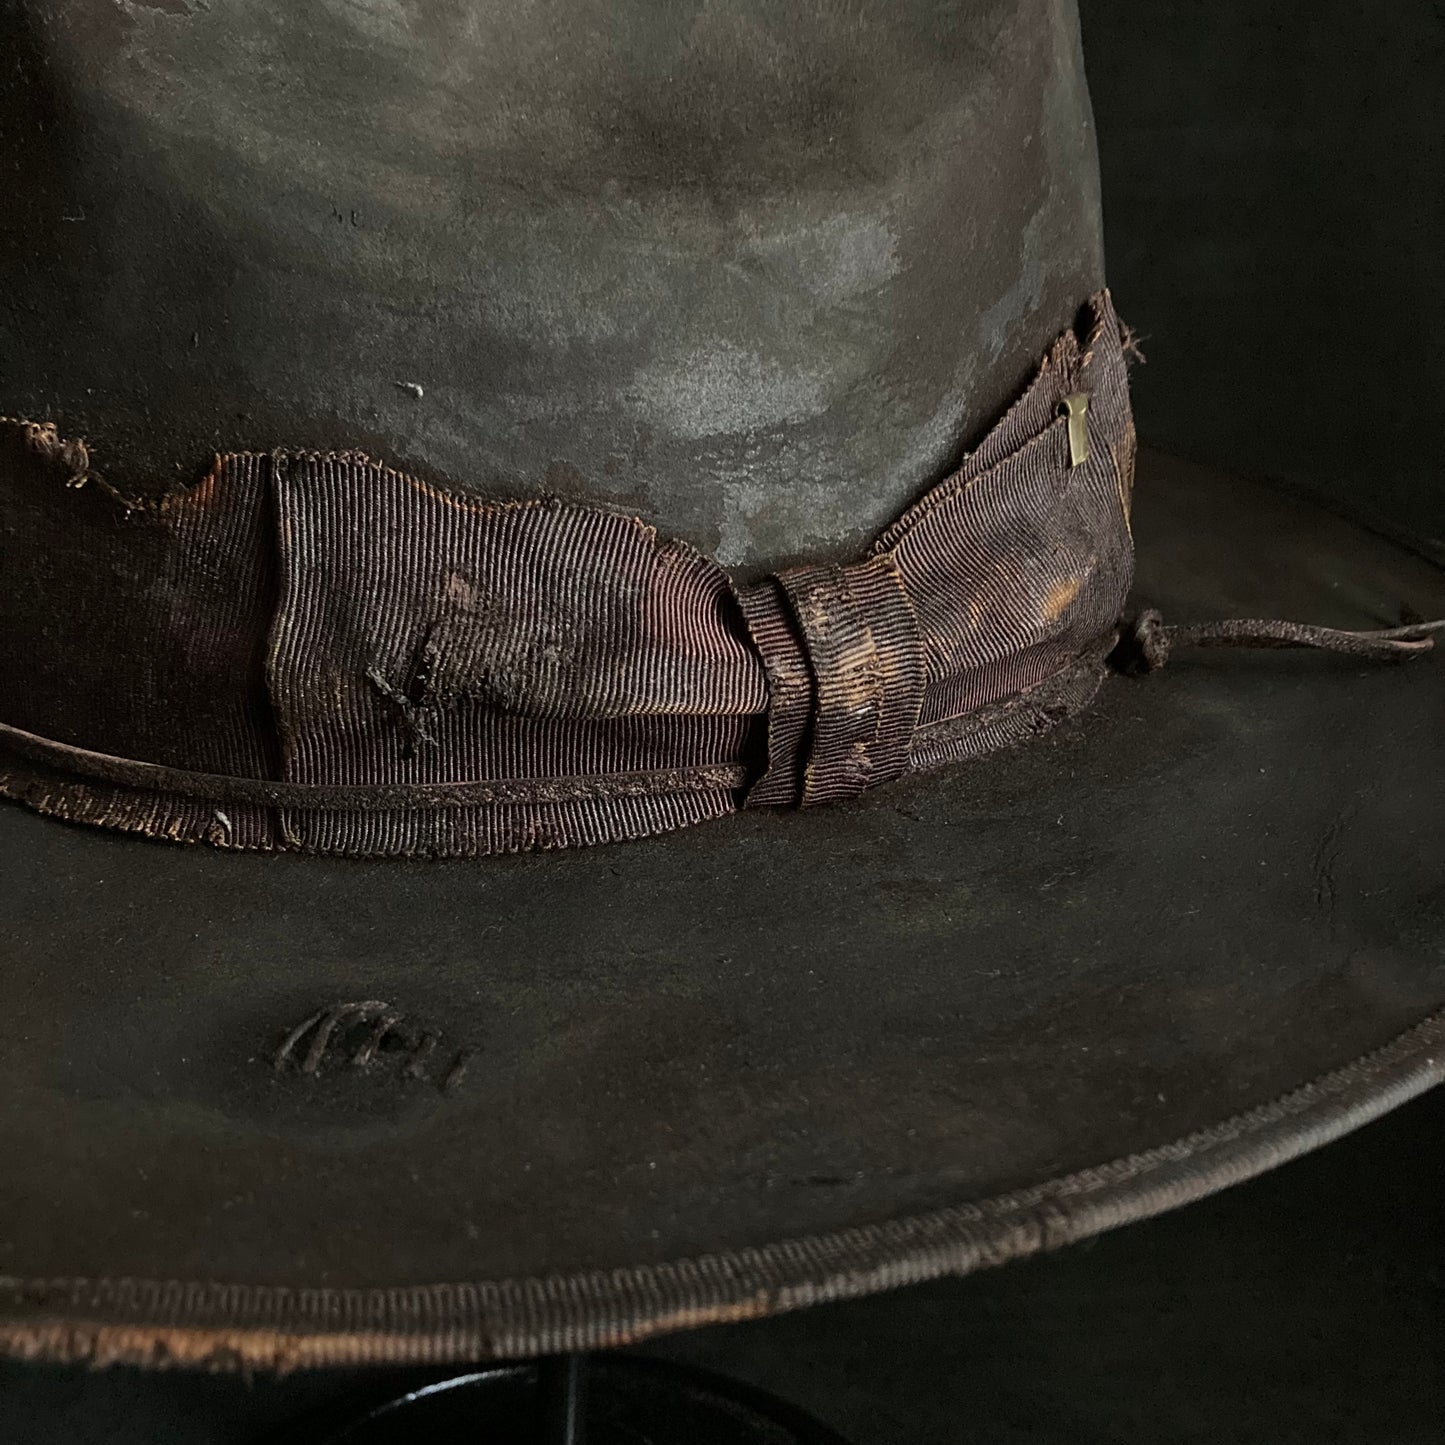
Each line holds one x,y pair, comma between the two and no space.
222,1327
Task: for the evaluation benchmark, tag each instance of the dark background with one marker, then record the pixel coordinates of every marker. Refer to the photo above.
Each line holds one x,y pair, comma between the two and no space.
1275,223
1276,231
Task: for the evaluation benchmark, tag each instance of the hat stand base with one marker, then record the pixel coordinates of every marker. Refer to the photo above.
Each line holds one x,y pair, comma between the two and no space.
579,1400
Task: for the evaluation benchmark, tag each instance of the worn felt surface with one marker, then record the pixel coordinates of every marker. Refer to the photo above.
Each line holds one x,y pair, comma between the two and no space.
1222,882
755,272
1300,1309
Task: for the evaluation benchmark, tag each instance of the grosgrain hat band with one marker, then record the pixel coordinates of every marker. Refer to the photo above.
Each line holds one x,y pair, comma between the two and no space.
318,653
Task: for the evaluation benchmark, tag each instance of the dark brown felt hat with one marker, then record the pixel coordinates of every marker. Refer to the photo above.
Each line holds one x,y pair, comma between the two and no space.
656,830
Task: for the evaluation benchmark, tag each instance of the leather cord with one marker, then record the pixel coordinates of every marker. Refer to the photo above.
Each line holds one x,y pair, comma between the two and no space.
1148,642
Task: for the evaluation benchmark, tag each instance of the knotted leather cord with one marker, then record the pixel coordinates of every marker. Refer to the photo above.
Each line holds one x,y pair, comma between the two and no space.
1148,642
313,652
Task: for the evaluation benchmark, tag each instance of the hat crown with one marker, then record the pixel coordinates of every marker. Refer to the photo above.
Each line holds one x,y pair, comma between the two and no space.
755,273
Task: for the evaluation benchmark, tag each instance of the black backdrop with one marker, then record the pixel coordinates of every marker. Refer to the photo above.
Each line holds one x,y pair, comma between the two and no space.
1274,193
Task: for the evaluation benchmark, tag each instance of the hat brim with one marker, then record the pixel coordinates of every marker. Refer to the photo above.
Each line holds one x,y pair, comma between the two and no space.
771,1060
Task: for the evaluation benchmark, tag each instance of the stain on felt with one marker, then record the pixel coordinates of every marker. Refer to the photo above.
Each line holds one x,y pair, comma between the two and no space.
759,191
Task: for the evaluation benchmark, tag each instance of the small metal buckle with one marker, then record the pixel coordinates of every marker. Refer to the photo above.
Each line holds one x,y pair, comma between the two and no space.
1076,404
